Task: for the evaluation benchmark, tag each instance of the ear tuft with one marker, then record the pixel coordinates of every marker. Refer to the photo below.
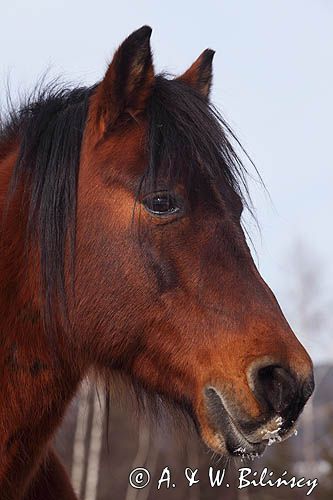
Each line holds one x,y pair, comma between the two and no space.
200,74
128,80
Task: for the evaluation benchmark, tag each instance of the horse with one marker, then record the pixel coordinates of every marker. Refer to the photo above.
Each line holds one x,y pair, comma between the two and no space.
123,252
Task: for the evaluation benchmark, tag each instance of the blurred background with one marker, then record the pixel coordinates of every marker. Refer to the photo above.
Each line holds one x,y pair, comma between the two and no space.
273,80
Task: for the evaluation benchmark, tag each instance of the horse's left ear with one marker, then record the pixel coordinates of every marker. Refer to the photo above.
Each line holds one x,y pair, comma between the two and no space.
128,81
200,74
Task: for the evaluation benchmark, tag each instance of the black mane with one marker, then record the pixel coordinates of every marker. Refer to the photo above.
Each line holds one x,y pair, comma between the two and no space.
182,124
49,128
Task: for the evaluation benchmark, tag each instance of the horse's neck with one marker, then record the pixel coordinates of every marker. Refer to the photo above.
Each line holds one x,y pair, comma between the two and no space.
34,389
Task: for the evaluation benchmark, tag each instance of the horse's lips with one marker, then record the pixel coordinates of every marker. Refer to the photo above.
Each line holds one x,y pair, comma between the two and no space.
236,443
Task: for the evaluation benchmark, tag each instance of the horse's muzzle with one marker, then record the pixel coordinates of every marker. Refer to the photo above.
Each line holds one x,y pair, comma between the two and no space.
281,397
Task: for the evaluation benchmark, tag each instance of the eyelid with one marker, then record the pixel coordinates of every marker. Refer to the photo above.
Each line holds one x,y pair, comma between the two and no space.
178,202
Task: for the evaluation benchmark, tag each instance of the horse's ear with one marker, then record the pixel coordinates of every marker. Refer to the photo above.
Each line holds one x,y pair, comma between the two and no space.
200,74
128,80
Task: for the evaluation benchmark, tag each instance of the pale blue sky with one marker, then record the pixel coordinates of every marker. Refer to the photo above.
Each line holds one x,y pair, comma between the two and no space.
273,80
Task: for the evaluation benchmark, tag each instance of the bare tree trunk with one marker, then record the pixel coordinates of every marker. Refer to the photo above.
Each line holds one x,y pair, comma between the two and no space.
79,451
140,458
95,448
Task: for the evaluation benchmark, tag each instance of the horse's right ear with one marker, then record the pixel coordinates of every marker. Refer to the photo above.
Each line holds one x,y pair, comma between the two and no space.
128,81
200,74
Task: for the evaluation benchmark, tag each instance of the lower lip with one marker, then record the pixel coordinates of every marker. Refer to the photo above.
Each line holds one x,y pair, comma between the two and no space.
236,443
246,449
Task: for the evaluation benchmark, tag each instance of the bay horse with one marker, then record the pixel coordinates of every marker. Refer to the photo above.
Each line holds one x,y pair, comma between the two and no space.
123,252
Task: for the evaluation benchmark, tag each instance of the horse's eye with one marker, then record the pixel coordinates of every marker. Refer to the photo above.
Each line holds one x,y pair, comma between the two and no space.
161,203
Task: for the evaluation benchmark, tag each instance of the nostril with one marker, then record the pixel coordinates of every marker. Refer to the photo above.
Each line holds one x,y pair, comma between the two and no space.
276,386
